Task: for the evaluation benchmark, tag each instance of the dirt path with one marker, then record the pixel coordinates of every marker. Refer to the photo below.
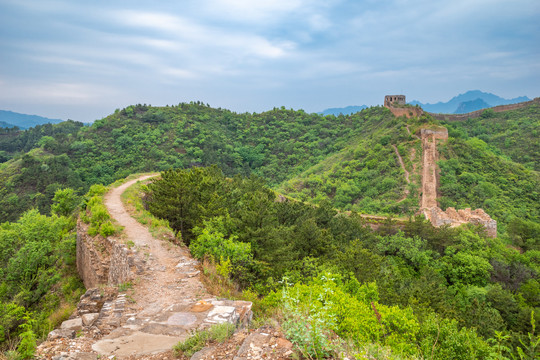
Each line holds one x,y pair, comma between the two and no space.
166,302
409,131
402,164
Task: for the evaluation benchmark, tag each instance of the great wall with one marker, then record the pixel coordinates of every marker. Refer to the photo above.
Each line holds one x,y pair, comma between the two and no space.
144,298
430,137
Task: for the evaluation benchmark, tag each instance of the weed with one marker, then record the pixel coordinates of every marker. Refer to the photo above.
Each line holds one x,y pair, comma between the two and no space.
198,339
125,286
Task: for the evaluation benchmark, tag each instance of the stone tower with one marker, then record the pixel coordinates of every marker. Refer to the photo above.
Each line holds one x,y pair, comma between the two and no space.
394,99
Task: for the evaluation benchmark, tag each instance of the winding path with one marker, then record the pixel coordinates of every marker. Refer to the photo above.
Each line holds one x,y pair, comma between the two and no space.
166,301
402,164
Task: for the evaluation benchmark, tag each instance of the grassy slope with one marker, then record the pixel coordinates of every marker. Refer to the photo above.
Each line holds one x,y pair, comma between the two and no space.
511,133
366,175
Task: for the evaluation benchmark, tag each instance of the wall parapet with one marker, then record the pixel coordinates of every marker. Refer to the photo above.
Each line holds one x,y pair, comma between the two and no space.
104,261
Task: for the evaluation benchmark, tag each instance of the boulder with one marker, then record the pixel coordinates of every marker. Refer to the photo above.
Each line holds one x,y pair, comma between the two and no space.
89,319
73,324
61,334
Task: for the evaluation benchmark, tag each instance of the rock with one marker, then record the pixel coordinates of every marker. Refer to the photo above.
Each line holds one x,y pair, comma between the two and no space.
89,319
73,324
284,343
61,334
220,314
203,354
85,356
201,306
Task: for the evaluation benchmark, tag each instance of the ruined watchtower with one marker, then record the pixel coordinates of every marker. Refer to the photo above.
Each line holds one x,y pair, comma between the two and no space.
389,100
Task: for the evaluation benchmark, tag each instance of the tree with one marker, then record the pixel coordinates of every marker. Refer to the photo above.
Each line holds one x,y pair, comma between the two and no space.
65,201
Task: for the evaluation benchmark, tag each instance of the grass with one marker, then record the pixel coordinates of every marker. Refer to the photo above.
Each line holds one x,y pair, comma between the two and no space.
125,286
132,199
198,339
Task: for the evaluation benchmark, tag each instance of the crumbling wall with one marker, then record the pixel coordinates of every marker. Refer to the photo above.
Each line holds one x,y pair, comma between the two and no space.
454,217
104,261
430,185
408,112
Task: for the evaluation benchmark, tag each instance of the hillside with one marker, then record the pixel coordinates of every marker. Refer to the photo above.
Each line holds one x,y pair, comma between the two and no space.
367,176
418,278
273,145
24,121
512,133
351,160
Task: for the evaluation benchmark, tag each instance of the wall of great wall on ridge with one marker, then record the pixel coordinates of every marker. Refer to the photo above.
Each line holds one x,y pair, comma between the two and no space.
430,182
478,113
430,137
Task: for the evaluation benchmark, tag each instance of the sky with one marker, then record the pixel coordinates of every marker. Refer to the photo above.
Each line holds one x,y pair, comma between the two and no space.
83,59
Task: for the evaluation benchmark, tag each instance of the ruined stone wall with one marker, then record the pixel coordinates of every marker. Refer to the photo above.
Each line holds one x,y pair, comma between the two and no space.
430,182
406,111
454,217
104,261
429,164
478,113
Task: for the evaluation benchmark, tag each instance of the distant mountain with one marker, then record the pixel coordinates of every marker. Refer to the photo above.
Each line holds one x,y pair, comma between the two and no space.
345,110
473,105
4,124
451,106
24,121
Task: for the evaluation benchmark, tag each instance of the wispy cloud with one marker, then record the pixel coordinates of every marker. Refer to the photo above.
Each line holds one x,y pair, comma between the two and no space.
253,55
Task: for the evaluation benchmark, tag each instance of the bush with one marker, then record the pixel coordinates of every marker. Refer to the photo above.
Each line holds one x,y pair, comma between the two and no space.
331,304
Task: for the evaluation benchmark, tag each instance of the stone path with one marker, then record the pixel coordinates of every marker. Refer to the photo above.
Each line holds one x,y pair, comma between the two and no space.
165,303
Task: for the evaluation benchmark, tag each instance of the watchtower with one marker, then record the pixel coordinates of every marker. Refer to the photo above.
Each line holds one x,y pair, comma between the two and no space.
389,100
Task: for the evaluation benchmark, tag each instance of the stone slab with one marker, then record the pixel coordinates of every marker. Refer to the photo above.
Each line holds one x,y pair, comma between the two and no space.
137,343
89,319
73,324
182,319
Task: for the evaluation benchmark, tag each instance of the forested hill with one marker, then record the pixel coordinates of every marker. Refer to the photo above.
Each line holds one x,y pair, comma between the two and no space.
350,160
439,291
274,145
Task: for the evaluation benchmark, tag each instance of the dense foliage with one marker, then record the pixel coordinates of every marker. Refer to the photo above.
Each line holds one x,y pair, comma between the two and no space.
366,176
439,292
473,176
425,277
39,283
274,145
512,133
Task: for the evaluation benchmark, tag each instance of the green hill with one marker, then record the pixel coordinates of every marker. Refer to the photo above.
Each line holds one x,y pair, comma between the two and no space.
512,133
441,291
350,160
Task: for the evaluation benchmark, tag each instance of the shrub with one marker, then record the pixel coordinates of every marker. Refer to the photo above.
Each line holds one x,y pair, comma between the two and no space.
198,339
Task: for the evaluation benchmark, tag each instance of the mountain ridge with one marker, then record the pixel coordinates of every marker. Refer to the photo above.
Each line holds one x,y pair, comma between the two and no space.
453,104
471,100
24,121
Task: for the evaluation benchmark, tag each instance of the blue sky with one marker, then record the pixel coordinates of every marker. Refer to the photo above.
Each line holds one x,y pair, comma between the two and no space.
83,59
